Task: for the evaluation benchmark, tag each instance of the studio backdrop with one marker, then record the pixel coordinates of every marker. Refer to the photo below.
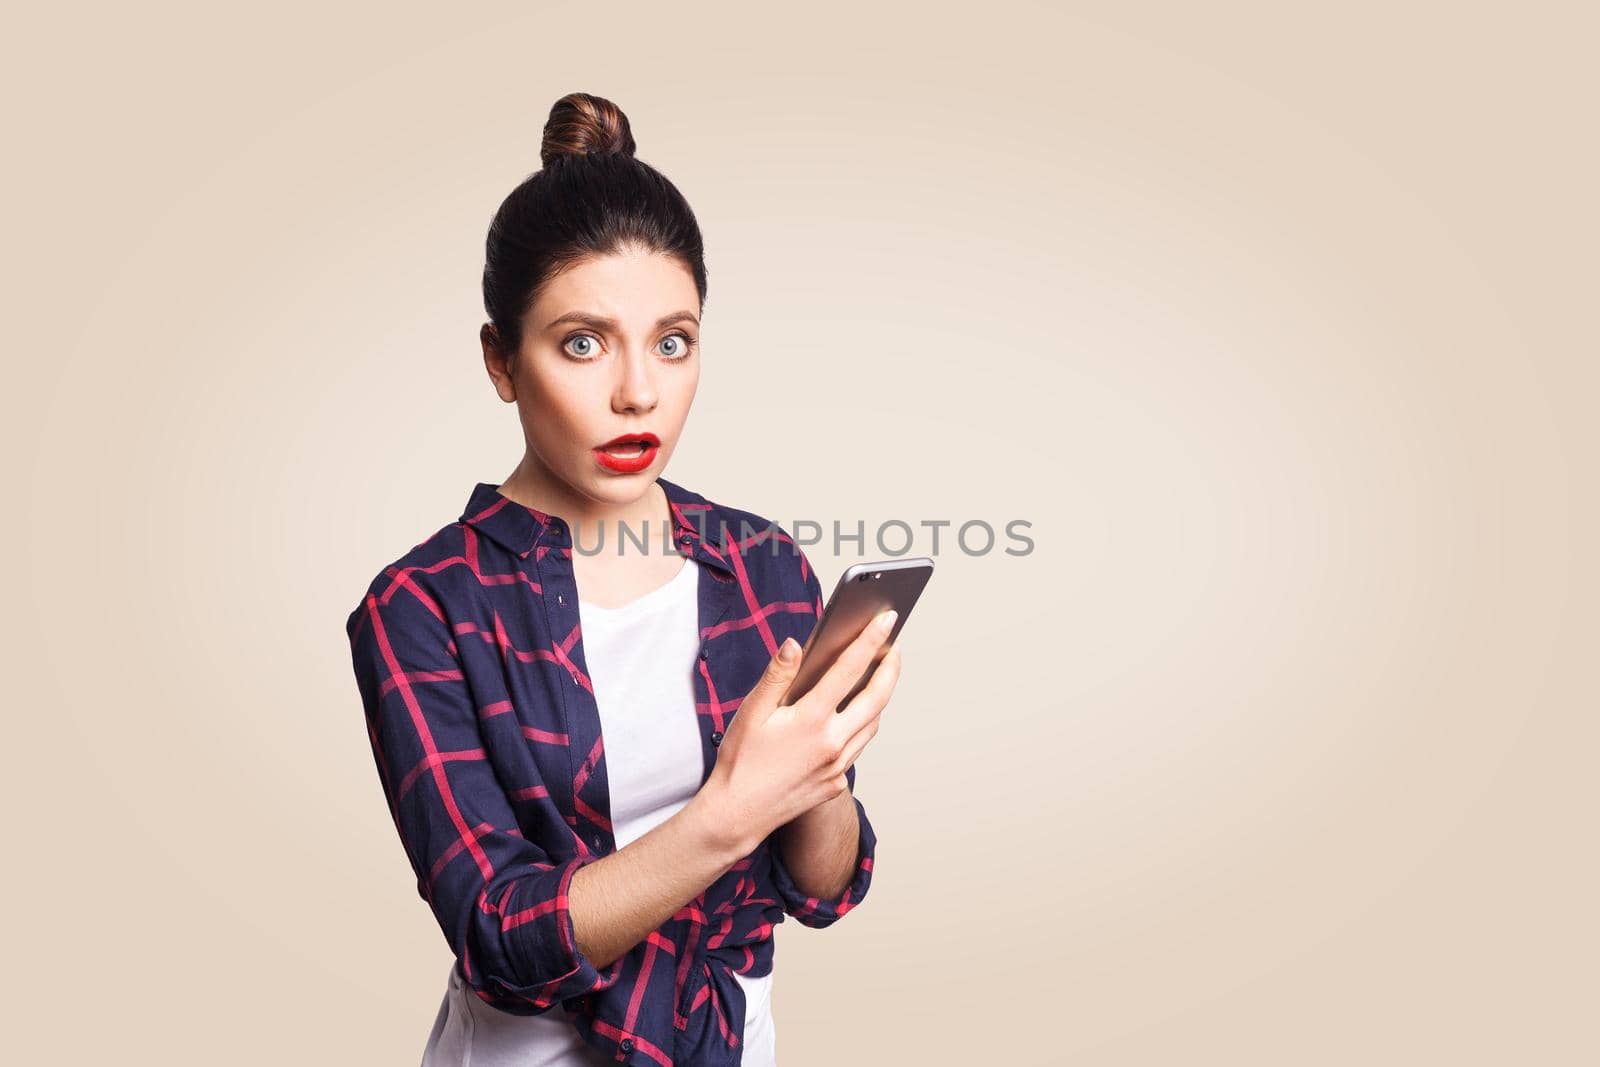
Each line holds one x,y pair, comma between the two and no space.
1233,364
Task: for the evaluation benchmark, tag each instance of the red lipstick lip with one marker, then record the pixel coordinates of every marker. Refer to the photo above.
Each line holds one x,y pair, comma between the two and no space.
629,464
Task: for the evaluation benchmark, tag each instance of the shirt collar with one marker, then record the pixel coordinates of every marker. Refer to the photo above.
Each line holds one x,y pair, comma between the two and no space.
521,528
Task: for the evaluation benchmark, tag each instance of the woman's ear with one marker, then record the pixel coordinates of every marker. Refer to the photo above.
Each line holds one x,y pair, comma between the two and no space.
497,363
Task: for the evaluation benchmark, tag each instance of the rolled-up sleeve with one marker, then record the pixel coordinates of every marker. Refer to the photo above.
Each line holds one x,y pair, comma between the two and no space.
815,911
500,899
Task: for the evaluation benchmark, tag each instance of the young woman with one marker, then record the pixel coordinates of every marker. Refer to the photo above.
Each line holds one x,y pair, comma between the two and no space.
574,691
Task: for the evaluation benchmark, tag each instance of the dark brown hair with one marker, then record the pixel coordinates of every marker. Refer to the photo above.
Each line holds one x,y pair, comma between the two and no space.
591,198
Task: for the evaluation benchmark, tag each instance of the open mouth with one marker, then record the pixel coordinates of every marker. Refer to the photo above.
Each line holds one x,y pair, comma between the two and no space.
629,453
630,445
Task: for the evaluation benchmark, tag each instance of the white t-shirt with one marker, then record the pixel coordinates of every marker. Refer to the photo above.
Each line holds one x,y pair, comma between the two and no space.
641,660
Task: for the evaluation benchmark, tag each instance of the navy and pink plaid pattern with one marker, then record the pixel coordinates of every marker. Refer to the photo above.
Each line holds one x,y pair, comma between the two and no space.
468,654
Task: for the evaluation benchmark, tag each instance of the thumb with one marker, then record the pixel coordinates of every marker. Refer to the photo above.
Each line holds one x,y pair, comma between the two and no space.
779,673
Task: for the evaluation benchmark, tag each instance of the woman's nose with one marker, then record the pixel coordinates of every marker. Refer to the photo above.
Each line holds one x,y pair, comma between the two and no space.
636,389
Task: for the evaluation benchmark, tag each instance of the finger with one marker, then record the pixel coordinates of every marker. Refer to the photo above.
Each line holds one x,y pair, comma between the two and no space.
858,741
853,747
870,702
775,680
851,664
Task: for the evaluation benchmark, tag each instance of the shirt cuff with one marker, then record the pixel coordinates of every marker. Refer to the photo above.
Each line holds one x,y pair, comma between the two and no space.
536,927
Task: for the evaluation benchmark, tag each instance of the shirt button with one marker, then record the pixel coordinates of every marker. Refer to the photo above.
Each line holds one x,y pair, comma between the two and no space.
627,1044
599,843
716,737
704,652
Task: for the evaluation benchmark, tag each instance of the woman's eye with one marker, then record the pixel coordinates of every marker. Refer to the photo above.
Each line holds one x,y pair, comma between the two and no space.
591,345
677,345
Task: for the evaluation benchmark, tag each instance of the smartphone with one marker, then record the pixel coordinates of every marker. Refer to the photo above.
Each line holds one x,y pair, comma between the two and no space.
865,590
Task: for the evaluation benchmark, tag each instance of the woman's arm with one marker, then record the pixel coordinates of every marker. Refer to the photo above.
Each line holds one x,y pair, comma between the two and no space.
813,843
521,920
617,900
820,848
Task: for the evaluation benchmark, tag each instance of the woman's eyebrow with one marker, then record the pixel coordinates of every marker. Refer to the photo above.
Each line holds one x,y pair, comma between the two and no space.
599,322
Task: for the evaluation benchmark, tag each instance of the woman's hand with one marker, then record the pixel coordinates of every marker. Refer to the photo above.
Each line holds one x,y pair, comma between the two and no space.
779,761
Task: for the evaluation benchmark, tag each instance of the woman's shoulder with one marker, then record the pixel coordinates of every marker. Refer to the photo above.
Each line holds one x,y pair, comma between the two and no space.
435,569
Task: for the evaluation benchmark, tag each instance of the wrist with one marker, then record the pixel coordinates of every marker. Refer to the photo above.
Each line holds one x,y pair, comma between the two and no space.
719,827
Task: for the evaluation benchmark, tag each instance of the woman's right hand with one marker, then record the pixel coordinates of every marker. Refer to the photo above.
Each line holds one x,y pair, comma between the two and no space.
778,761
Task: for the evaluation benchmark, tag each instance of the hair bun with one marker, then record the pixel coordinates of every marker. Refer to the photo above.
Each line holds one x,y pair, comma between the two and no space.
585,125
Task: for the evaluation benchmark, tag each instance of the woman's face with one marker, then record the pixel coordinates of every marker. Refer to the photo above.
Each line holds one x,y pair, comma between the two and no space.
610,348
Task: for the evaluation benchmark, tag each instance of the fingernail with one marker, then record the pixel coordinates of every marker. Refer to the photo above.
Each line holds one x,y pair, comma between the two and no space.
886,621
787,651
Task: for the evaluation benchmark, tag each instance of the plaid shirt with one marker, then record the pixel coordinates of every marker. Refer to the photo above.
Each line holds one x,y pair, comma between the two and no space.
469,657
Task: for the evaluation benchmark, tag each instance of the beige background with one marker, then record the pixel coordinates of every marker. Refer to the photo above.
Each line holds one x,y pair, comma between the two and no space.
1279,328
